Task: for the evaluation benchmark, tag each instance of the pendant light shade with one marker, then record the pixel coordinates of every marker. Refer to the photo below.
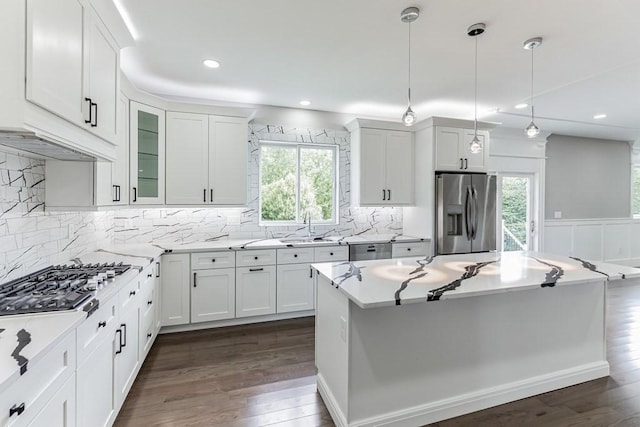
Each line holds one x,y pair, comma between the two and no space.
532,130
475,146
409,15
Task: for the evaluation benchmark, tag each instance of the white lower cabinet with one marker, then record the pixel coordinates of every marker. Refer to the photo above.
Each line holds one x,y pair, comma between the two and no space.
255,290
295,290
125,359
175,289
95,405
60,411
213,295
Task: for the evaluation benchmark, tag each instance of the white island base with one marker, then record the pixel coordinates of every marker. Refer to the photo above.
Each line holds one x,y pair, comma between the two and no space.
415,364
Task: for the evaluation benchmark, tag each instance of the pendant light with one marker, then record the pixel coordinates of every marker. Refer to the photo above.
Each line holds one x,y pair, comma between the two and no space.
532,130
409,15
475,146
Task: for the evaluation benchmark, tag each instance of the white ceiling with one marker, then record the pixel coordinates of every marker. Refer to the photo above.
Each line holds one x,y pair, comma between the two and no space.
350,56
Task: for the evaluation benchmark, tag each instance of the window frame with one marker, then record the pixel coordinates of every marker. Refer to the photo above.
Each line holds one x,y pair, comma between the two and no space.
634,167
298,146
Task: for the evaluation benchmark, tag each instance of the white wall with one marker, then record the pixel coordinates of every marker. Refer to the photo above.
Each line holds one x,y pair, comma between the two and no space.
587,178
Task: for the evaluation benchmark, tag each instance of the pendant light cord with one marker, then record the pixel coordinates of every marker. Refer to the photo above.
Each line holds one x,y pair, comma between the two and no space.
409,73
532,84
475,92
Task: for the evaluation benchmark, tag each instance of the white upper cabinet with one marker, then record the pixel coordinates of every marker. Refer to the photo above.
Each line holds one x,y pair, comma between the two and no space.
382,167
206,159
72,65
452,150
102,69
55,56
187,158
147,161
112,178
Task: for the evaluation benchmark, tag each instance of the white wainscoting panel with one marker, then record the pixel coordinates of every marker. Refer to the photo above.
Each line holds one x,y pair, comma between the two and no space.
609,240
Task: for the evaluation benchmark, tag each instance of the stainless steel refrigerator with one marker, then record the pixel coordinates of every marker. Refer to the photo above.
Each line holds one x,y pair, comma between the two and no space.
465,213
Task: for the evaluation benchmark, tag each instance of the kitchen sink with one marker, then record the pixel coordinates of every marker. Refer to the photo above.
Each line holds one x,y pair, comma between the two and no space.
299,240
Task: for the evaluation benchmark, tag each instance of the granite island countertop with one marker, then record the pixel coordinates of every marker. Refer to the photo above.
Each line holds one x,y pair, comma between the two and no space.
388,282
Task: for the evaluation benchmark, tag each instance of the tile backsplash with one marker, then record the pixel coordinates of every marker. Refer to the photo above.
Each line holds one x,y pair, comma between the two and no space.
31,238
198,224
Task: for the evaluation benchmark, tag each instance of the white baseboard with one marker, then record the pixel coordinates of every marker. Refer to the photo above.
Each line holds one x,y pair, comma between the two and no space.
331,403
235,321
470,402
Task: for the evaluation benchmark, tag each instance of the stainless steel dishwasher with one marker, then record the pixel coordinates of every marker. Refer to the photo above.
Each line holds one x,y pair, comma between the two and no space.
364,251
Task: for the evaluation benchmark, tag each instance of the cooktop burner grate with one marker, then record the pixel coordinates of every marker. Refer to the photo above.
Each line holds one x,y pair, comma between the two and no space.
56,288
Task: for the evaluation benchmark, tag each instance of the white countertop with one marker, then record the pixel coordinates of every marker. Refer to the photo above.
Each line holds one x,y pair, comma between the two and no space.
285,242
411,280
38,333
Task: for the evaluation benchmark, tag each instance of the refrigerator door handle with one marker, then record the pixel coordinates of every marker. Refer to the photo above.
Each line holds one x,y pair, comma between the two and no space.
467,214
474,226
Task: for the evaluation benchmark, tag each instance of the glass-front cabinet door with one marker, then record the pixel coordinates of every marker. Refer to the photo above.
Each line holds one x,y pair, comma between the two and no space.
147,154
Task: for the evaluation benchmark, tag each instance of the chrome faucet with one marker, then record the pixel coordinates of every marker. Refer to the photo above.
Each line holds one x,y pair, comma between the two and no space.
307,220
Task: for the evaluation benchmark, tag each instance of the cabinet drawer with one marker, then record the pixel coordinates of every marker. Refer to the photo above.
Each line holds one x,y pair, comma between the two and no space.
256,257
295,255
39,384
147,332
130,293
207,260
331,253
95,328
400,250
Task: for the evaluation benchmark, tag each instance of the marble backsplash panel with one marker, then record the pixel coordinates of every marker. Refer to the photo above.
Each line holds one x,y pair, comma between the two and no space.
198,224
30,237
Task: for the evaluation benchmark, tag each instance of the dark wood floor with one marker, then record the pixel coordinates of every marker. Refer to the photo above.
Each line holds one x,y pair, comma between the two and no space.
263,374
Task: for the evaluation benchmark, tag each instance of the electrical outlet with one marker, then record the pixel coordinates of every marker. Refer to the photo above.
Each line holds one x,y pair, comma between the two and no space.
343,329
557,214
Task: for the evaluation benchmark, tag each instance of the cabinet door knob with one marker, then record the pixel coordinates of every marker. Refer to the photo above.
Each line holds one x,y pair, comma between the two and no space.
213,260
331,253
102,324
255,257
295,255
409,249
19,409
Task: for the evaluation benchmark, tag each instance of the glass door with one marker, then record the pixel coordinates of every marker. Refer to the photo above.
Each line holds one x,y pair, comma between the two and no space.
147,154
516,201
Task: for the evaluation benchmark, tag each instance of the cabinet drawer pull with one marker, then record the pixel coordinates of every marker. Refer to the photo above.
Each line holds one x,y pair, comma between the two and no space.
149,275
90,110
119,341
149,302
16,409
149,335
95,117
132,293
256,269
408,249
102,324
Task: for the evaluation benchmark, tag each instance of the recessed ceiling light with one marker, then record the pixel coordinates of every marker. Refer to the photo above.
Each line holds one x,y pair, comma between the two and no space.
599,116
304,102
211,63
521,106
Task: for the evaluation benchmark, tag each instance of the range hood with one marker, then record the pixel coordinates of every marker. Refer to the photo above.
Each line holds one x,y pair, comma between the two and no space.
32,143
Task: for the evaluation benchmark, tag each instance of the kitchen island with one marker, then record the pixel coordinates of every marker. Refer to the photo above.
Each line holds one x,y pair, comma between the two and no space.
414,341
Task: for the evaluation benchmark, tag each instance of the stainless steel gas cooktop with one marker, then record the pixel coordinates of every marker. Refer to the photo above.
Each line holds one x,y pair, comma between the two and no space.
56,288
